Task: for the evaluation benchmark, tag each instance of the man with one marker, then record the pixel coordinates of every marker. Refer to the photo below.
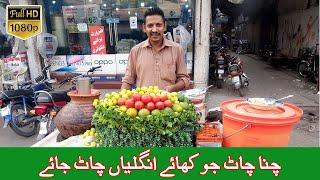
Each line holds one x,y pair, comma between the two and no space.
156,61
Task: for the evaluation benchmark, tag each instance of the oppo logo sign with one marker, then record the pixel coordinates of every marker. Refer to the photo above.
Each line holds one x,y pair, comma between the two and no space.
123,61
103,62
57,63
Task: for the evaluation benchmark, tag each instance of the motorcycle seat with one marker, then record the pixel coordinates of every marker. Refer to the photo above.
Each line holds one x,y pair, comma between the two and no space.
56,97
16,93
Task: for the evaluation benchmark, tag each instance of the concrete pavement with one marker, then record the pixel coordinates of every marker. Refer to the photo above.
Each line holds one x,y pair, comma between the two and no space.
266,81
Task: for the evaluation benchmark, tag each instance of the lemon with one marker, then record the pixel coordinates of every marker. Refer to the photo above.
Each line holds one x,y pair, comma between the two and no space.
107,95
177,108
91,133
94,104
125,96
93,130
132,112
184,105
174,93
87,133
123,108
155,112
110,103
129,93
93,144
175,98
114,101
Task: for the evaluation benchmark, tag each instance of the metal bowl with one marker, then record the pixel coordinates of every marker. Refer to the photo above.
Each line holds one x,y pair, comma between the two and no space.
264,103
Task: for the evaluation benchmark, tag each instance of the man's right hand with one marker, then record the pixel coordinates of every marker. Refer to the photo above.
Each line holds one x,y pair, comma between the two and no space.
126,86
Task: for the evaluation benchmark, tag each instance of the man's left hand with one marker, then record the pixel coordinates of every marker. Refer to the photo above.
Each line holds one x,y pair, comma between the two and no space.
169,88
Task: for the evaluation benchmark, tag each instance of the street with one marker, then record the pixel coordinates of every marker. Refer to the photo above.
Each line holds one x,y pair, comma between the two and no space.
265,81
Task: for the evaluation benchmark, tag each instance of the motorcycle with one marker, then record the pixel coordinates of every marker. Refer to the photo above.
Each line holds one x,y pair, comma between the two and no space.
220,71
236,77
48,104
309,66
16,104
219,67
243,47
267,53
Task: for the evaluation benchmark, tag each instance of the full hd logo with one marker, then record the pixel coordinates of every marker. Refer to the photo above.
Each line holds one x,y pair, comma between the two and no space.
24,21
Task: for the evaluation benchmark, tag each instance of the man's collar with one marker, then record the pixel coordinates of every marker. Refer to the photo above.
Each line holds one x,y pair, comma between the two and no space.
165,43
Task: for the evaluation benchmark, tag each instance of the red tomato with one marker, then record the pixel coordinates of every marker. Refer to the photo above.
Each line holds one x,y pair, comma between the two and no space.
138,105
146,98
150,106
136,97
160,105
167,103
121,101
155,99
129,103
163,98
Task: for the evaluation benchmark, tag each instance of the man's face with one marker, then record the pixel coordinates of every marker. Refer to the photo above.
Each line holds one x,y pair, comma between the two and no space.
154,27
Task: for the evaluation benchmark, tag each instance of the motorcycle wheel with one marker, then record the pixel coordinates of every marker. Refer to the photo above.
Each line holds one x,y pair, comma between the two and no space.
18,115
219,83
303,69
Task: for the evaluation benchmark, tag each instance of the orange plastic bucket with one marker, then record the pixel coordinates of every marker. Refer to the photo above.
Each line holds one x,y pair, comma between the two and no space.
246,126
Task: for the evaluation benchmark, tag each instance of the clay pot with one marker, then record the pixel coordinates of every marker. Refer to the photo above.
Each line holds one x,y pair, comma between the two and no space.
76,117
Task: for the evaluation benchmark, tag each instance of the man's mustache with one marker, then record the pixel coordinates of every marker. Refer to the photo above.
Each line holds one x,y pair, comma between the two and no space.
155,34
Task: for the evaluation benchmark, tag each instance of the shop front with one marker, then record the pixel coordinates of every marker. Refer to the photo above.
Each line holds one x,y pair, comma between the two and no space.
102,32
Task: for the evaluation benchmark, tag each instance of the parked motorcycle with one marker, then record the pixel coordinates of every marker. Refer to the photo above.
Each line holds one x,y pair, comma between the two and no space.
218,68
267,52
236,77
309,65
48,104
243,46
16,104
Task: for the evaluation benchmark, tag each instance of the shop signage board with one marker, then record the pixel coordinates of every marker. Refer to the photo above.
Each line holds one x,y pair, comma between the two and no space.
122,61
92,12
107,63
57,62
113,20
97,40
82,63
24,21
112,64
17,62
133,22
72,15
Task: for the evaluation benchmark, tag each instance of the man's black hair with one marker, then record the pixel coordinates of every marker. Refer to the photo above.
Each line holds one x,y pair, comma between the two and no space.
154,11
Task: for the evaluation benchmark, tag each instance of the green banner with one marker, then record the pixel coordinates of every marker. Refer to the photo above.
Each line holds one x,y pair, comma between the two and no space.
159,163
